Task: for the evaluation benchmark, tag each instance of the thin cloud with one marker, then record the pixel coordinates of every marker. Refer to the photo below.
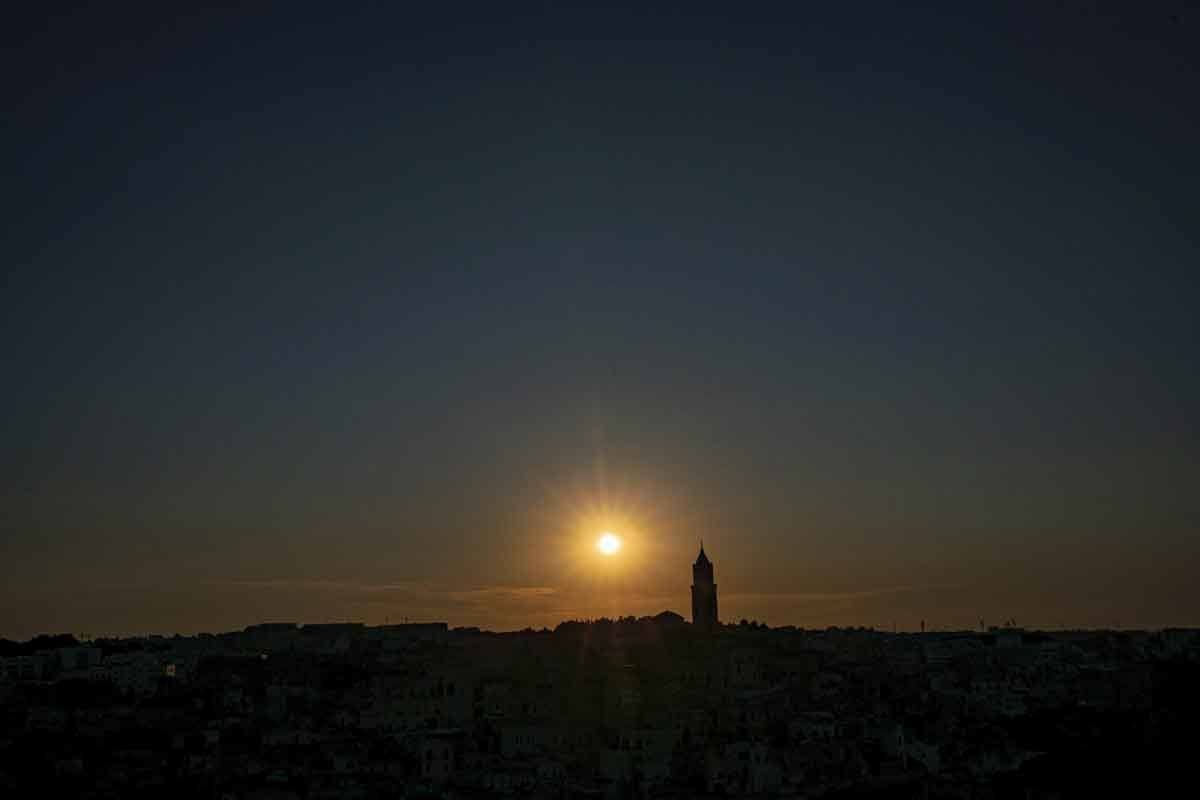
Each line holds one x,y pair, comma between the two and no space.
407,589
287,583
863,594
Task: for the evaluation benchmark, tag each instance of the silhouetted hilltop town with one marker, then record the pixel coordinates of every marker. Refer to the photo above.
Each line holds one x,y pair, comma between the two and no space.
648,707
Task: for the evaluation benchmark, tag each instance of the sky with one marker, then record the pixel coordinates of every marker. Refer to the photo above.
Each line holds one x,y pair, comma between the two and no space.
385,312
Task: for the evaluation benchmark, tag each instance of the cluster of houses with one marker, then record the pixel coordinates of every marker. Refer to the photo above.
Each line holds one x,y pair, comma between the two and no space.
631,708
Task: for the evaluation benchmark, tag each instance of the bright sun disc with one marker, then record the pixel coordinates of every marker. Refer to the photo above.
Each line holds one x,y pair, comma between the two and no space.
608,544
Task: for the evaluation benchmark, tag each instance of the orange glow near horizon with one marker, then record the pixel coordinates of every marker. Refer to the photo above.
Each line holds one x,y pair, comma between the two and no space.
641,574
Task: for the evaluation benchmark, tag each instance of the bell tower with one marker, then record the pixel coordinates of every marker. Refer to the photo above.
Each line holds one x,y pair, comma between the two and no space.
704,594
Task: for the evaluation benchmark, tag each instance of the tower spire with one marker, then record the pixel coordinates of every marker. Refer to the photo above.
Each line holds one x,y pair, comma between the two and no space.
704,593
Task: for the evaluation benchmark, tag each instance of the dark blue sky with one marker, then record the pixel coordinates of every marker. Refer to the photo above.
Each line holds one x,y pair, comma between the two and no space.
315,313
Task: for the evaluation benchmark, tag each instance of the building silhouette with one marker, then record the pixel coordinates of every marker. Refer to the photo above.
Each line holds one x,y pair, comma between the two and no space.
704,593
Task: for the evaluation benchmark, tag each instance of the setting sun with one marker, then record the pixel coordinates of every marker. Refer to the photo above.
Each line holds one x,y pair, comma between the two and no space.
608,544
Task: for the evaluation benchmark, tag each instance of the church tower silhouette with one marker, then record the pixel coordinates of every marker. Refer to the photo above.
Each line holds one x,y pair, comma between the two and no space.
704,593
